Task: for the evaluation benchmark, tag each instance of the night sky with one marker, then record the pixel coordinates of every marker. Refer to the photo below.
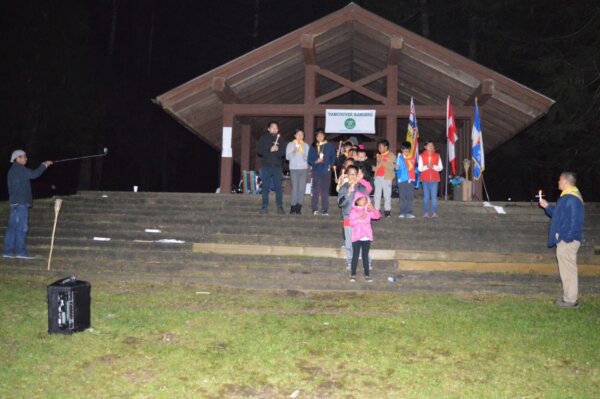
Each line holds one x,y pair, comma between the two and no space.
80,75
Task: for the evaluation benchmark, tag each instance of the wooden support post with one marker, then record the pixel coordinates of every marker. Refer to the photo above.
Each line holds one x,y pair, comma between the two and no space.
310,85
309,128
246,147
226,154
391,132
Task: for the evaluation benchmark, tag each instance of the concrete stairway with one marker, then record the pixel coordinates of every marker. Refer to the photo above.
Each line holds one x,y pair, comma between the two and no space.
222,239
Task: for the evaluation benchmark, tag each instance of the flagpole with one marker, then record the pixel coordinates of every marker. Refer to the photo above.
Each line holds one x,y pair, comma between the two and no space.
447,152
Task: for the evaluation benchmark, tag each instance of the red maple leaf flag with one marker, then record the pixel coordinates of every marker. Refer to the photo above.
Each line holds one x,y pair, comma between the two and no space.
452,135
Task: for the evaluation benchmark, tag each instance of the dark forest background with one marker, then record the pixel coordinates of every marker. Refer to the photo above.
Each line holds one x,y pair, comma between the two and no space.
79,75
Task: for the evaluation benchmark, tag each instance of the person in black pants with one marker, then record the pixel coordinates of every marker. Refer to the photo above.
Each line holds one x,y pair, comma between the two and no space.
321,157
272,151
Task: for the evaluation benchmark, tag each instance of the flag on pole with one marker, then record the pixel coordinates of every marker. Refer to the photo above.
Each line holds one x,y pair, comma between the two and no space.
412,136
452,136
477,146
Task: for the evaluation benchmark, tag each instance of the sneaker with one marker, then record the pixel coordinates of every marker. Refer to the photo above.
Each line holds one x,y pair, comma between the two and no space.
425,216
401,216
387,214
324,213
434,215
264,211
566,305
316,213
24,257
8,256
280,211
352,279
368,279
410,216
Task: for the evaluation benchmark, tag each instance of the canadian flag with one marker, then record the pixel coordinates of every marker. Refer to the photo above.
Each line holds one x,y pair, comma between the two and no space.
452,135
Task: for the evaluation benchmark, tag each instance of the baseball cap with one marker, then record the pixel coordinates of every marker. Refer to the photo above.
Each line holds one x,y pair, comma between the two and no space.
16,154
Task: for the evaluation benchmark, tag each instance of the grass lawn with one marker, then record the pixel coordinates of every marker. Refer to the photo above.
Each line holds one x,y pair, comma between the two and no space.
172,341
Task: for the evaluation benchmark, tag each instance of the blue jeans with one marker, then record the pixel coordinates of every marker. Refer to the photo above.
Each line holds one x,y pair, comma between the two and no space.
430,190
14,240
266,173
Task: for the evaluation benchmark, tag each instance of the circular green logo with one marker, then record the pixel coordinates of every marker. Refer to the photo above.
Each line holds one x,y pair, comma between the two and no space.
350,123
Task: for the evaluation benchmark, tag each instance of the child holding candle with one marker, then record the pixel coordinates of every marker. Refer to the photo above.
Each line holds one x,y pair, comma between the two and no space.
430,166
362,233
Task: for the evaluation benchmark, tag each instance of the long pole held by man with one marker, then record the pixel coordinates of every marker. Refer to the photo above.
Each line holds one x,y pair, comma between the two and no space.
57,205
566,234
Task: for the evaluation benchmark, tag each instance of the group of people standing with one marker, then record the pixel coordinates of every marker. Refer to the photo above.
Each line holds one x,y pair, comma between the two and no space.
322,160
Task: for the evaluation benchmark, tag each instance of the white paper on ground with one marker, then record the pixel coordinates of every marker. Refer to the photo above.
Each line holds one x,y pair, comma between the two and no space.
152,231
170,241
498,209
101,239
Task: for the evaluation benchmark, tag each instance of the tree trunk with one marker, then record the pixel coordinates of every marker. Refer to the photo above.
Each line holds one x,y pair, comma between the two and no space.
113,27
424,18
256,20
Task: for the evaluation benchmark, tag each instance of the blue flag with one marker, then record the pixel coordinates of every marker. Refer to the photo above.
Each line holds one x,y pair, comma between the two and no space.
477,153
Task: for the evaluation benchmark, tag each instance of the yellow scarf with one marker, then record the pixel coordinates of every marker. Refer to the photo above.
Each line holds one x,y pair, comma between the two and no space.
300,145
381,156
572,191
319,146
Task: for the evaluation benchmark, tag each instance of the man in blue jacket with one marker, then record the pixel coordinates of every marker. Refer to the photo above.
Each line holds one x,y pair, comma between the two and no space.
321,157
20,200
566,233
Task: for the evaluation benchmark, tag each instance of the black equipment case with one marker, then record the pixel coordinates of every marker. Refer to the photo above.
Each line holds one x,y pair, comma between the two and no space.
68,306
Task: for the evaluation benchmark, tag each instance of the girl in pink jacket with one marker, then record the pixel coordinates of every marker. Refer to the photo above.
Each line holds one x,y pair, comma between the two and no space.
362,234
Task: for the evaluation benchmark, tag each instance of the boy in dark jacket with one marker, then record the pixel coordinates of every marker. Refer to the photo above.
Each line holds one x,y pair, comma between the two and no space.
20,200
272,151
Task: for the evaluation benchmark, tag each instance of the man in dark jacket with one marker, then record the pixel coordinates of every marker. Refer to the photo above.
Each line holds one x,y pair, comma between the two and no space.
321,157
20,200
272,151
566,233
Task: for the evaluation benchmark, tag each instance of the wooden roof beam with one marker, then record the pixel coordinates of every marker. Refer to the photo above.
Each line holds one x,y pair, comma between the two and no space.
308,49
224,91
343,90
396,44
483,92
353,86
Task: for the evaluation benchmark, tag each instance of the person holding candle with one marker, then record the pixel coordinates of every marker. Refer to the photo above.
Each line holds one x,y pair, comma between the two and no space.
296,153
362,233
405,178
566,234
384,176
272,152
430,166
351,185
321,157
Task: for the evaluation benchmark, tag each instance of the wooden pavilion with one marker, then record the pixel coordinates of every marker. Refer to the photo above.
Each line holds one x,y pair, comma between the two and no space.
350,59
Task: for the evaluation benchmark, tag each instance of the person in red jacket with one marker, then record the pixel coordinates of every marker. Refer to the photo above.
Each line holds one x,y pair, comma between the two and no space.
430,166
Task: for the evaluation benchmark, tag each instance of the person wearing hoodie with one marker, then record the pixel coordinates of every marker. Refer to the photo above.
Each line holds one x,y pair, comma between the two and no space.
345,199
296,153
20,200
566,234
362,233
